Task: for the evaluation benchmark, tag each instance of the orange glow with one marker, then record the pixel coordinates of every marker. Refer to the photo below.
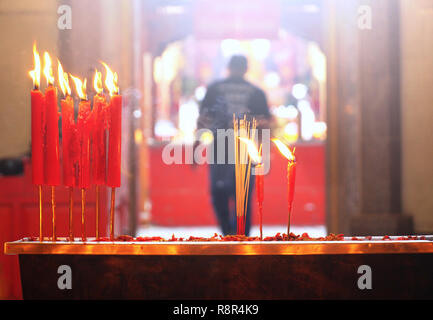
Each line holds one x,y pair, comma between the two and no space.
48,70
285,151
97,82
35,74
110,80
252,150
80,87
63,80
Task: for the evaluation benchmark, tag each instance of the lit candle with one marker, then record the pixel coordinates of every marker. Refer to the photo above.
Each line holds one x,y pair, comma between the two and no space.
98,141
52,160
68,141
98,133
68,123
83,135
38,127
114,139
291,175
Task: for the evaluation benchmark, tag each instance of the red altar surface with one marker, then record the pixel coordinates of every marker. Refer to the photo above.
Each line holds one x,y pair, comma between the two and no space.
180,193
19,217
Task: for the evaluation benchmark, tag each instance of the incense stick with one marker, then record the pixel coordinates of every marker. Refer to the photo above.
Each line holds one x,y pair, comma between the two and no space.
242,128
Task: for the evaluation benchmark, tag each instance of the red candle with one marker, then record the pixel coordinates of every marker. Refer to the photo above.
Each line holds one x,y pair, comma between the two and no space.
38,127
98,133
68,126
68,130
84,129
114,141
260,194
52,160
291,176
37,122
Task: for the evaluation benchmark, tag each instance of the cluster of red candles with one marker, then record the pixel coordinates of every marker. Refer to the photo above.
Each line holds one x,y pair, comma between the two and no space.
255,155
84,142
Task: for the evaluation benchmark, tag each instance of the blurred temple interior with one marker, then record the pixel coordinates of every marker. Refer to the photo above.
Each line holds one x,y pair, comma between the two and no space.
353,96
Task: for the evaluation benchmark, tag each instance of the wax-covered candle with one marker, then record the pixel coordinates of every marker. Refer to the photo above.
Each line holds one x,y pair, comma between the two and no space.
291,176
83,131
114,142
68,129
38,128
115,129
52,158
98,134
68,141
37,122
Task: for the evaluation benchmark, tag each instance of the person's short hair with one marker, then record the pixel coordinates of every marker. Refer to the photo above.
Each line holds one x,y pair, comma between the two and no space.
238,64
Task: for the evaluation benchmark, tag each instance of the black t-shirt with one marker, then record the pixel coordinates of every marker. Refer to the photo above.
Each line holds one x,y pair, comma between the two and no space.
231,96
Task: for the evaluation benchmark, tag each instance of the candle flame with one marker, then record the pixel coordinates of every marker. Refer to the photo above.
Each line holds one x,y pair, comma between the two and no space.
63,80
285,151
110,80
80,87
97,82
252,150
35,74
48,70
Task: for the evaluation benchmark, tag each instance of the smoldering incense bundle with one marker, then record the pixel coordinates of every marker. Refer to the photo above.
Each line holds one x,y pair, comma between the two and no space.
245,129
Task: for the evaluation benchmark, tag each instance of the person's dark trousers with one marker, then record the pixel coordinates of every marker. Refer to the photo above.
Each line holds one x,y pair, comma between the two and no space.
223,189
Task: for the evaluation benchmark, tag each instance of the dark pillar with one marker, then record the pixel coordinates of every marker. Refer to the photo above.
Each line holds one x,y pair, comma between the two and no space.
364,158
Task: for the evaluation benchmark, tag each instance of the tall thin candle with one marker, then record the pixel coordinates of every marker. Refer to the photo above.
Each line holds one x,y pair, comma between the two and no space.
98,141
114,140
68,141
52,159
83,135
38,127
291,176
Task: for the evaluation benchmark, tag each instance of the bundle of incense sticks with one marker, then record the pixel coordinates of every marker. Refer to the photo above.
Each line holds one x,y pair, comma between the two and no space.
243,128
